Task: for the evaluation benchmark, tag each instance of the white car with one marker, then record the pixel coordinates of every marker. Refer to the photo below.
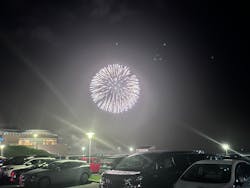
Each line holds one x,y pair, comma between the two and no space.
32,162
216,174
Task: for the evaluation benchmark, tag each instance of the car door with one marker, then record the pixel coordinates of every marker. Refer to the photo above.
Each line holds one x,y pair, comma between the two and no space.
61,173
165,171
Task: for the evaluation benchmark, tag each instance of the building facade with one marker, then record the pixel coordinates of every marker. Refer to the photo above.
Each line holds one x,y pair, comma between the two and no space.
32,137
36,138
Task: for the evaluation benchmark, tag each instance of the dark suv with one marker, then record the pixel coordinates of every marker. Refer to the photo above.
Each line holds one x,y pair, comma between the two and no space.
150,169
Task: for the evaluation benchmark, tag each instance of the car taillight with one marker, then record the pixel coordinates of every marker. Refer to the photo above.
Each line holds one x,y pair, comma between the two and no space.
12,176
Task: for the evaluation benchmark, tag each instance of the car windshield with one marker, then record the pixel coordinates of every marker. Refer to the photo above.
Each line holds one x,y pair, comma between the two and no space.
135,162
108,160
208,173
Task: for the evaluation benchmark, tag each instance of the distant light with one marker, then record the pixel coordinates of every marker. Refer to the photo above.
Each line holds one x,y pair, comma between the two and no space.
116,43
164,44
131,149
212,57
225,146
83,148
2,146
35,135
90,135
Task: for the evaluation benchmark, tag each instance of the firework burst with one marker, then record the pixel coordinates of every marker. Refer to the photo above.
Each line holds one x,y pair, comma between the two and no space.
115,89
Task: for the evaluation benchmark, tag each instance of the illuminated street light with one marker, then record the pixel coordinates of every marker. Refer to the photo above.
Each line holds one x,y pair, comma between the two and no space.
226,147
2,147
131,149
35,138
90,136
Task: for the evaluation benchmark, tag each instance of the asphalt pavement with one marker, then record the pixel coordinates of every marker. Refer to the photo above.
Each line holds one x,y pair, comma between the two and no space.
89,185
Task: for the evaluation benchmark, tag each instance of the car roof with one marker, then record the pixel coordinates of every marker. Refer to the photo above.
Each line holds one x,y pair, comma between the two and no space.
167,152
225,161
66,160
115,156
37,158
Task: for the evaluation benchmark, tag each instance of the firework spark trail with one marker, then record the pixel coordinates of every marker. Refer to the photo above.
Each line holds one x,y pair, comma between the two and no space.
39,74
115,89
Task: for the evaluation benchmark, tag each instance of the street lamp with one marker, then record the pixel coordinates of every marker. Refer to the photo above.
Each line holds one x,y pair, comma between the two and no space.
2,147
90,136
35,137
226,147
131,149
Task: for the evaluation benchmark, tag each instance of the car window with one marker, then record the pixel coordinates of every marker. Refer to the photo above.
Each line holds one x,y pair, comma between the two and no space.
67,165
166,162
35,162
53,165
208,173
136,162
32,162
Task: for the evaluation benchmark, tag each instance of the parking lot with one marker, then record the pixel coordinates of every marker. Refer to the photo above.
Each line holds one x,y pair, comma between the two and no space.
90,185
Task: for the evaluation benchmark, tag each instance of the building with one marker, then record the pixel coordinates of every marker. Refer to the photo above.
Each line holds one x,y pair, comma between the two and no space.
28,138
40,139
36,137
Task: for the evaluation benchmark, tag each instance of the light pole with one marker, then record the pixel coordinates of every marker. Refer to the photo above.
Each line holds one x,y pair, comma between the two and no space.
226,147
35,137
90,136
83,150
2,147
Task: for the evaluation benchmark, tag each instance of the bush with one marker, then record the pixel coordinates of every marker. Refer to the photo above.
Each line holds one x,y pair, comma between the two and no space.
12,151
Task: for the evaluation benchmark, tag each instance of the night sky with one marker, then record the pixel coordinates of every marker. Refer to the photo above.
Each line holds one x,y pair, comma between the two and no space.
191,59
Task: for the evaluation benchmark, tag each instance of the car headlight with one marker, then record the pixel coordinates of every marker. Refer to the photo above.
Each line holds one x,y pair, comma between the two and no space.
138,181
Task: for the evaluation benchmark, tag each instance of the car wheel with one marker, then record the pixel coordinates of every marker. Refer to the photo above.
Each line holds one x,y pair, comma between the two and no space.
84,178
44,183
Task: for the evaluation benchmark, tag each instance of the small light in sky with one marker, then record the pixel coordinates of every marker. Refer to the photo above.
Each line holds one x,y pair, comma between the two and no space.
164,44
116,43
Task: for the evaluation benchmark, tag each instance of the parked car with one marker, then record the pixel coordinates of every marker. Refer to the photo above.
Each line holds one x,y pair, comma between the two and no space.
109,162
18,160
56,173
7,171
29,165
2,160
149,169
216,174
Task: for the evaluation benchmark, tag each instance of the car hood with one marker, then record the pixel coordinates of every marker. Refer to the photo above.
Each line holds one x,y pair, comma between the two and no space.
121,172
36,171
